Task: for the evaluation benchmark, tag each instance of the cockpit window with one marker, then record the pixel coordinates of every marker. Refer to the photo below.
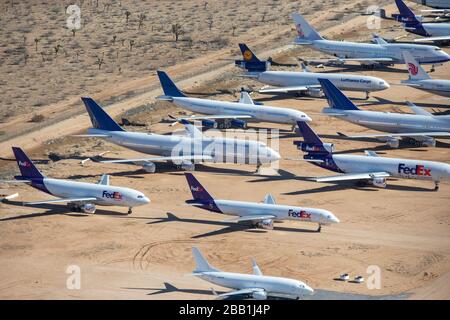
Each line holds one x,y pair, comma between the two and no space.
140,197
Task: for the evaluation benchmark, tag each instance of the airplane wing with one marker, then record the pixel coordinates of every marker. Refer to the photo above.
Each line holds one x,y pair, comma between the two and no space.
405,134
287,89
15,181
241,292
252,218
342,60
353,176
218,116
169,158
60,200
442,38
436,10
92,135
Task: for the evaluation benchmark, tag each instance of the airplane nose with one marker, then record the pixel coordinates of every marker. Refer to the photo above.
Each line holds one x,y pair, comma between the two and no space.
335,219
274,156
146,200
386,85
309,290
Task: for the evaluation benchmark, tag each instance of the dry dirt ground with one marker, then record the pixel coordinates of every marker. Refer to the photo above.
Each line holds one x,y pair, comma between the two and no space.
404,229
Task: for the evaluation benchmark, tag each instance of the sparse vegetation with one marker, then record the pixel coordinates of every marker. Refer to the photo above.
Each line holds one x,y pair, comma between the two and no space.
37,118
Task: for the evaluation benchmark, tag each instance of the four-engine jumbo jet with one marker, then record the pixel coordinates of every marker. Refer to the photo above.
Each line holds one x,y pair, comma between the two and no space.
258,215
420,79
224,114
366,53
181,150
256,285
371,168
79,196
303,82
421,127
412,23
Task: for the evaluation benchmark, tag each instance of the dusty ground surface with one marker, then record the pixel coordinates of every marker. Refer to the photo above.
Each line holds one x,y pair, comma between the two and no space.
404,229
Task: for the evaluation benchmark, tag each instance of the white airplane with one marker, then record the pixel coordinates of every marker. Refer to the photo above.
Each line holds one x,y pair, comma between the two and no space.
180,150
420,79
437,4
413,24
303,82
372,54
371,168
258,215
421,127
223,114
79,196
256,285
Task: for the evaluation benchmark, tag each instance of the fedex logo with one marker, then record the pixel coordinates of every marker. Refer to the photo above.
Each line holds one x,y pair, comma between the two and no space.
312,148
25,164
413,68
196,189
418,170
113,195
299,214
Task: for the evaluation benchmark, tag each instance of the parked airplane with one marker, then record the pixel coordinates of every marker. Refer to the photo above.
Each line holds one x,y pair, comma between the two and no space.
256,285
420,79
370,169
258,215
79,196
180,150
223,114
421,127
437,4
303,82
413,24
366,53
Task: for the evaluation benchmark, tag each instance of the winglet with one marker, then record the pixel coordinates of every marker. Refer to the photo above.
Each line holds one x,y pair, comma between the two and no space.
256,269
418,110
245,98
269,199
104,180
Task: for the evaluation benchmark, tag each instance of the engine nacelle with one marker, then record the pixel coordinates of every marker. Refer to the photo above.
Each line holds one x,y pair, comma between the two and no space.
265,224
187,166
88,208
393,142
379,182
314,92
259,295
312,147
238,123
429,142
149,167
209,124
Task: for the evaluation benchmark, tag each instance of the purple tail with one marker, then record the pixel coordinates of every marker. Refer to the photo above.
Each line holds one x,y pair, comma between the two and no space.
198,192
27,168
309,136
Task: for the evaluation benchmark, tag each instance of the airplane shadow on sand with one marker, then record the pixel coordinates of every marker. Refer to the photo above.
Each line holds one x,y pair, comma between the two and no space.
168,288
53,209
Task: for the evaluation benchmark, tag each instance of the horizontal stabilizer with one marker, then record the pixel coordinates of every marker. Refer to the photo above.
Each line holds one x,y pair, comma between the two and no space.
353,176
92,135
443,38
60,201
169,158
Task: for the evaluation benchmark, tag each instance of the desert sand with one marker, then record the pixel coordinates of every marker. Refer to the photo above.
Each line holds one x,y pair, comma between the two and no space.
403,229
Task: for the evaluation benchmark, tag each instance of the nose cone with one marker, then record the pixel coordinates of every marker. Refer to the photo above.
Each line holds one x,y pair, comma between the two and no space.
308,290
334,219
145,200
385,85
273,155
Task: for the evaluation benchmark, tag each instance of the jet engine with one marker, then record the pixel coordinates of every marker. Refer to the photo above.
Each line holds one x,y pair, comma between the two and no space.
379,182
237,123
314,92
265,224
259,295
393,142
428,142
149,167
187,166
209,124
88,208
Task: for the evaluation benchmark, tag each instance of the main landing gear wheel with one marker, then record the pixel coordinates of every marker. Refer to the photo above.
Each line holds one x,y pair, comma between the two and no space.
436,186
130,211
319,229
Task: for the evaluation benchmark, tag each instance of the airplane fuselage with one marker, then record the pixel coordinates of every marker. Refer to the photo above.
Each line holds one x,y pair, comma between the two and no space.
273,286
349,82
257,112
432,30
437,4
436,86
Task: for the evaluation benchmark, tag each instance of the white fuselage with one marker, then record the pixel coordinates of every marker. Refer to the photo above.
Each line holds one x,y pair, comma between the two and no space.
436,86
273,286
437,29
282,212
220,149
393,122
422,53
349,82
257,112
106,195
398,168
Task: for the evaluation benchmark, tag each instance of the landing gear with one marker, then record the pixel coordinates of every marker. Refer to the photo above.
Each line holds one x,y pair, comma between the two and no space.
320,228
294,128
367,95
130,211
436,185
258,167
433,69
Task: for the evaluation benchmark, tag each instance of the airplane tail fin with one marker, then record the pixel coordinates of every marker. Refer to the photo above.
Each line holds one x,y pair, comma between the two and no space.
309,136
99,118
336,99
415,70
201,264
406,14
250,61
197,190
169,88
305,32
26,166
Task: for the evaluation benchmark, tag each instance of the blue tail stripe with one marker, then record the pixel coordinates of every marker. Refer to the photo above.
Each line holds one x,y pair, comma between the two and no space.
169,88
99,118
26,166
335,97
